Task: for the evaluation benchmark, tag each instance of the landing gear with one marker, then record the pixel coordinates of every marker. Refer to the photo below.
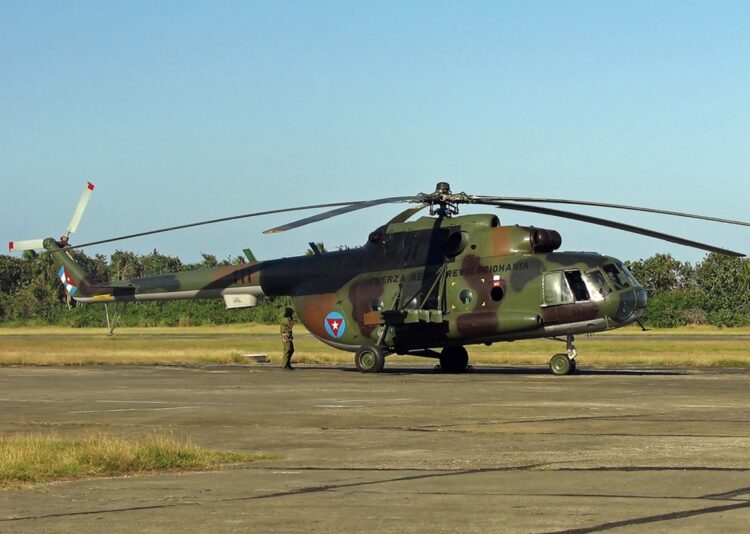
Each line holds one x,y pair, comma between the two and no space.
564,363
454,360
369,359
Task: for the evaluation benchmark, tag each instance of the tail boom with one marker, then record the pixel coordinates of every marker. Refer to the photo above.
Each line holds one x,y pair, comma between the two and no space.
239,285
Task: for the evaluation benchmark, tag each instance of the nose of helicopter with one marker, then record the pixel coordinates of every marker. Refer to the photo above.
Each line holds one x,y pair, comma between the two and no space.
628,304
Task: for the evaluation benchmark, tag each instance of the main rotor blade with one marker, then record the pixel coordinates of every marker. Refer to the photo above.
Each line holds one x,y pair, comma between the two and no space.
211,221
340,211
80,208
612,224
615,206
406,214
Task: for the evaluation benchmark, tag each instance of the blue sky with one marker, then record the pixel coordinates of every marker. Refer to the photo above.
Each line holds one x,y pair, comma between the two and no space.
182,111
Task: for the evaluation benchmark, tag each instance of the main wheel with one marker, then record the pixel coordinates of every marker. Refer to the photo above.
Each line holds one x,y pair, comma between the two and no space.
369,359
454,359
561,364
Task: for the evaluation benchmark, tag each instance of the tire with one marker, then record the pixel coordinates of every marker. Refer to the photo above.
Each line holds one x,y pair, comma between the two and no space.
560,364
454,360
369,359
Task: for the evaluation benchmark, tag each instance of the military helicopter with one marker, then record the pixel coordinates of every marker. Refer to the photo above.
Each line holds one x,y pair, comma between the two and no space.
427,287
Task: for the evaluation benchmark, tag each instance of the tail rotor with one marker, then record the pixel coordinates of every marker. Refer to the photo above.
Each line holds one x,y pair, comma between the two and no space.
38,244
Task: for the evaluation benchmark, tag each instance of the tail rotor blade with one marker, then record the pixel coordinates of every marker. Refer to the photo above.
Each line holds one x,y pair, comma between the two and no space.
30,244
80,208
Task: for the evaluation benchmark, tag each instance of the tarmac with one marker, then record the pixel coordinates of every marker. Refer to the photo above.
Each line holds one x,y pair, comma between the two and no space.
408,450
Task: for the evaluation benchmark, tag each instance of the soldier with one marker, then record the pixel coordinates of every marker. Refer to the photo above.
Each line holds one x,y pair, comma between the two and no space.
287,338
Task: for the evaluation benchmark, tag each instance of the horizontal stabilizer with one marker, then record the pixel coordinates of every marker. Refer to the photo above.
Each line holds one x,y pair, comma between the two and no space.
30,244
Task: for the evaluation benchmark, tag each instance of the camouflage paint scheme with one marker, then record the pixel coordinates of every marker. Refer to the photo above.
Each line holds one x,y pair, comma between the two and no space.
430,283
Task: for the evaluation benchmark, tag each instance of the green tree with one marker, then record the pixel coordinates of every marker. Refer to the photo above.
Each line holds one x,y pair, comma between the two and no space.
155,263
124,265
11,273
724,287
662,273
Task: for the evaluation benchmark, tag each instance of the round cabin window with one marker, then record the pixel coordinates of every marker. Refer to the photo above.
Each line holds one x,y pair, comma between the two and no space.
497,294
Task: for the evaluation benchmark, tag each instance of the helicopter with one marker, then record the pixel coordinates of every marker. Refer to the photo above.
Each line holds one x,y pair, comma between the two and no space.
427,287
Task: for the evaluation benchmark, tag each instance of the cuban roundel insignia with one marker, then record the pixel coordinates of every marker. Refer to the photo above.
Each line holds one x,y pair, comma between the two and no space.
335,324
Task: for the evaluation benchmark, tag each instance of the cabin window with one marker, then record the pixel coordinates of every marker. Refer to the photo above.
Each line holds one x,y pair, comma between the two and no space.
576,284
597,284
616,276
556,290
564,287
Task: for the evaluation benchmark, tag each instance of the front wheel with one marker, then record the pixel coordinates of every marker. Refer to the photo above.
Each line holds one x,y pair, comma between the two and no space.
561,364
369,359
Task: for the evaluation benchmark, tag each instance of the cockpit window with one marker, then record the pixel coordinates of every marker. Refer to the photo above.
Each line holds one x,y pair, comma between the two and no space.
616,276
597,283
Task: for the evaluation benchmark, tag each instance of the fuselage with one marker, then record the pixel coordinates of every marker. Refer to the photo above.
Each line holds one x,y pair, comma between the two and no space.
433,282
443,282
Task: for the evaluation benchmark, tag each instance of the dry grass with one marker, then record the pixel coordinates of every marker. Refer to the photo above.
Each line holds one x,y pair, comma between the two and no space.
690,346
26,459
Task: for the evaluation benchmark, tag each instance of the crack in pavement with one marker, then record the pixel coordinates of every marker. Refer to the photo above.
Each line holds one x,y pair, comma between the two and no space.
299,491
441,474
654,518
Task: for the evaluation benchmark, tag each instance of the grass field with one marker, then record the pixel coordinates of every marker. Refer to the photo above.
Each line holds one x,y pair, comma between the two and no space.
26,459
689,346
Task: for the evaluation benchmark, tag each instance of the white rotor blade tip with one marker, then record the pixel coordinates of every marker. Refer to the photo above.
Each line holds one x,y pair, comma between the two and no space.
81,207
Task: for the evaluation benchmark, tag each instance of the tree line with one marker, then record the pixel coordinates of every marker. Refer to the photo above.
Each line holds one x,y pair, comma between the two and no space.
713,291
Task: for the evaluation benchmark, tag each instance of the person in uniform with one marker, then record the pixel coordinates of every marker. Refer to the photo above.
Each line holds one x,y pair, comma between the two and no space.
287,338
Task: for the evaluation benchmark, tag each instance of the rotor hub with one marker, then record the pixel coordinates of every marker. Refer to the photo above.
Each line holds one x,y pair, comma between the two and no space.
443,202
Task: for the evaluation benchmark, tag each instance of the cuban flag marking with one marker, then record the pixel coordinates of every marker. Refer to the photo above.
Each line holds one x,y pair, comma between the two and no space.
335,325
497,281
68,282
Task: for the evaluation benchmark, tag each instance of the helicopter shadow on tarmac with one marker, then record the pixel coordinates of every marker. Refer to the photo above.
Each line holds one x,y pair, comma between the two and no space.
529,371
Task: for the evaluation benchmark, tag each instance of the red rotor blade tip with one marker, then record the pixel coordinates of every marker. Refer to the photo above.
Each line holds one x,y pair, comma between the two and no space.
90,186
10,246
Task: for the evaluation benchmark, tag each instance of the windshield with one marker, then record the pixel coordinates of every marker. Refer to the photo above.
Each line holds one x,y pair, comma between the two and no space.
616,276
630,276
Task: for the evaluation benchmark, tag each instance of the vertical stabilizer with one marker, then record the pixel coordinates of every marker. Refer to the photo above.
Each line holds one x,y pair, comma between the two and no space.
77,282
